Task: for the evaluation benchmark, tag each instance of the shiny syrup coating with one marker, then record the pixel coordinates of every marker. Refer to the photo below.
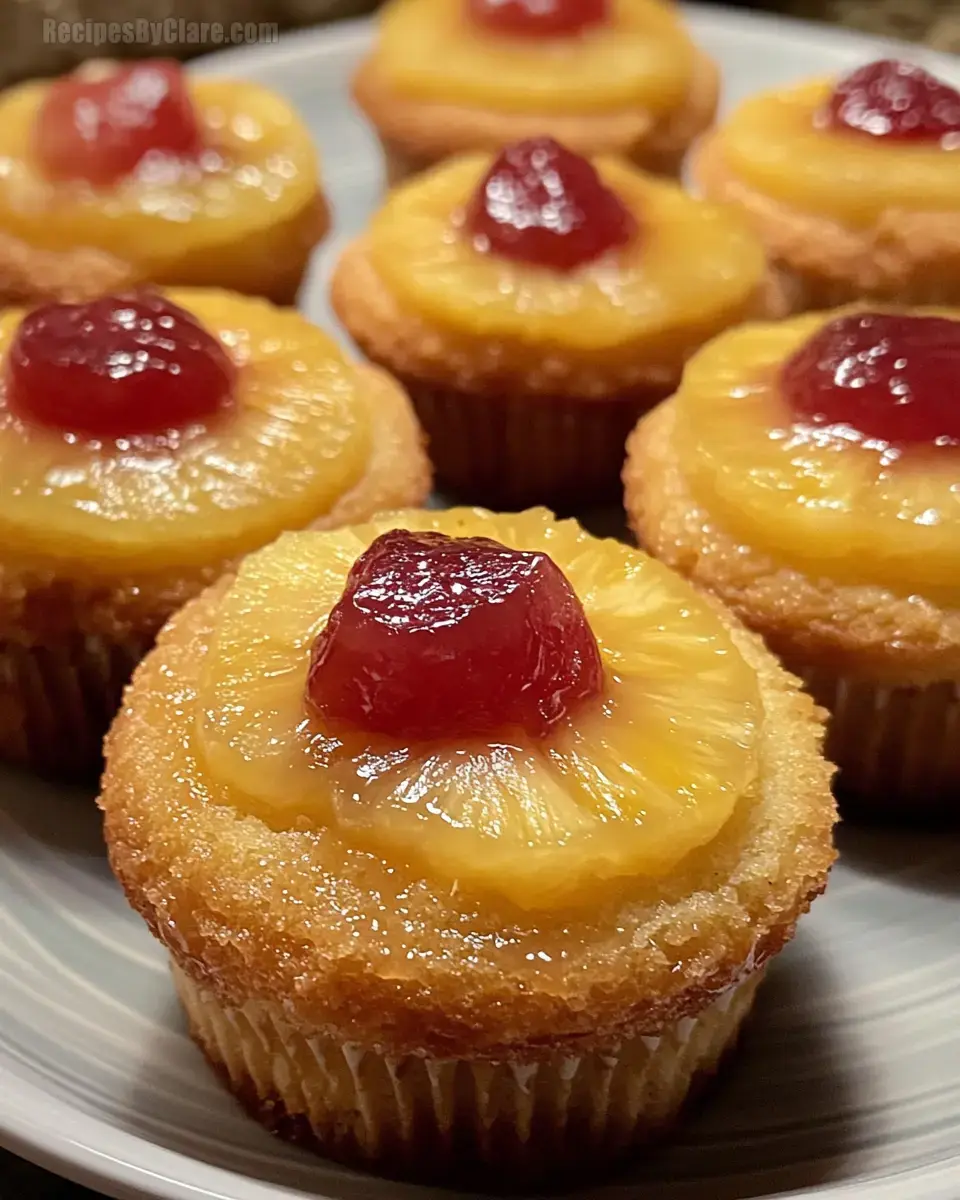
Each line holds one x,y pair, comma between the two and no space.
542,204
890,377
100,130
117,366
538,18
444,637
896,101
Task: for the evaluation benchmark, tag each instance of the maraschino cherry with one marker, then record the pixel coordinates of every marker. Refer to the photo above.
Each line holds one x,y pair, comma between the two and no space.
892,378
538,18
101,129
444,637
115,367
894,100
542,204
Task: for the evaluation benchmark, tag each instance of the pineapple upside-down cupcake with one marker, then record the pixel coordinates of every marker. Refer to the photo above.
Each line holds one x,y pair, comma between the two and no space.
603,76
469,836
535,304
146,441
122,174
806,473
854,184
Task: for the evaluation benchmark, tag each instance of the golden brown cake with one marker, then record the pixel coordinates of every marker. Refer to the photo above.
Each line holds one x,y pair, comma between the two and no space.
614,77
535,304
853,184
122,174
805,473
470,838
146,441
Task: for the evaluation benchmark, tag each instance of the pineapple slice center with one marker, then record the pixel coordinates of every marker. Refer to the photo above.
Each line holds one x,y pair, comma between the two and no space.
777,143
257,169
697,267
117,366
534,18
101,129
540,203
893,100
294,438
624,788
444,637
640,57
815,493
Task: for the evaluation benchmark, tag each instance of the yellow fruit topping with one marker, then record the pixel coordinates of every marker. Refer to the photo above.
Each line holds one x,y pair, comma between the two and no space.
823,499
295,438
258,171
626,787
692,270
640,58
774,143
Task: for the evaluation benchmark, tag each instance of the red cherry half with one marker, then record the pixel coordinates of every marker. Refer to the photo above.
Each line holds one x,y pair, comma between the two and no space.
889,377
542,204
894,100
443,637
101,130
117,366
538,18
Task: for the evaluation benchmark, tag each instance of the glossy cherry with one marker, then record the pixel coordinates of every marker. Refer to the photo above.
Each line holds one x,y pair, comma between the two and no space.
538,18
443,637
894,100
117,366
100,130
542,204
893,378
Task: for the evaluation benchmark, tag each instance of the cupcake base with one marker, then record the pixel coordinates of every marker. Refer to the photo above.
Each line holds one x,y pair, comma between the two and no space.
898,748
428,1119
510,452
57,701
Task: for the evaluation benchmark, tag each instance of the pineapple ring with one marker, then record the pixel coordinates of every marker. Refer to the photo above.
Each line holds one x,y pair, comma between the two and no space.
772,143
642,57
692,264
627,789
822,504
260,171
297,438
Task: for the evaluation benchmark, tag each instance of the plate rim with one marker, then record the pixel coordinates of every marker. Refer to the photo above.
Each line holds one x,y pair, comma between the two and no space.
86,1149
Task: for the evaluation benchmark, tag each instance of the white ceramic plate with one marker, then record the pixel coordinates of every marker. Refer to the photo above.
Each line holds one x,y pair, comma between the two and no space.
849,1082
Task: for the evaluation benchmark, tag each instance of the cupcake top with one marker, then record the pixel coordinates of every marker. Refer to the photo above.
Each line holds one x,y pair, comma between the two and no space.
565,56
830,442
153,431
885,137
455,746
541,247
140,161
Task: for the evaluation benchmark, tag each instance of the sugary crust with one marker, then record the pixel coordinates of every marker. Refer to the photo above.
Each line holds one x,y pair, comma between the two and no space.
371,952
419,133
39,603
415,349
911,257
859,632
271,266
29,275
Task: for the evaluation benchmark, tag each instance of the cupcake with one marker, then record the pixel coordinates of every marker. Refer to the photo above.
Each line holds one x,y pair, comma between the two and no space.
805,473
146,441
603,76
122,174
470,838
535,304
853,184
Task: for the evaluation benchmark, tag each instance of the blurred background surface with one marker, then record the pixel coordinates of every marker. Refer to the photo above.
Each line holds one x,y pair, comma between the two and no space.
26,51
